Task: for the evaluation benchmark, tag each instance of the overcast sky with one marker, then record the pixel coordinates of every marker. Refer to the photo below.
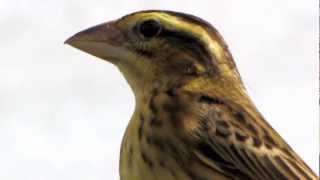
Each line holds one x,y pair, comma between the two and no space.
63,112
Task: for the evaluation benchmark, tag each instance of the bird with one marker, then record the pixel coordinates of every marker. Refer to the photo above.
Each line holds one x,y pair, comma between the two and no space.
193,117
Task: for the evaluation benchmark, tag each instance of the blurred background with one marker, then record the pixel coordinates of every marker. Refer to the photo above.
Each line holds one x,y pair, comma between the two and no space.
63,112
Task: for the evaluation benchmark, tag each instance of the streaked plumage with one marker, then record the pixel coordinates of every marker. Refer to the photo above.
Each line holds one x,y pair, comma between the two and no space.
193,117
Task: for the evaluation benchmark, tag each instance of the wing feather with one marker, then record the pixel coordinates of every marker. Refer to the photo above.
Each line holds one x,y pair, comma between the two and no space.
243,147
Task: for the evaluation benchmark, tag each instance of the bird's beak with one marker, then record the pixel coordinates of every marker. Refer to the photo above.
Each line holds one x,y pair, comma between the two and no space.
104,41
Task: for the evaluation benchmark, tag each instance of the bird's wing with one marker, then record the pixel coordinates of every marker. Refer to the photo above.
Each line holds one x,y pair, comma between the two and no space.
233,142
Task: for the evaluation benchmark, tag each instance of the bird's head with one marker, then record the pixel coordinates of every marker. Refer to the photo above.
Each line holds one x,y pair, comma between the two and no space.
161,49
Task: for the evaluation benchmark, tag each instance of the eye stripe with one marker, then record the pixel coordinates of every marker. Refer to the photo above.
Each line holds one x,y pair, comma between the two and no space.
187,41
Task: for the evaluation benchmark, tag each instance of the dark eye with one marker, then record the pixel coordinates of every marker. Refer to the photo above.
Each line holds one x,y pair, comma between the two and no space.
149,29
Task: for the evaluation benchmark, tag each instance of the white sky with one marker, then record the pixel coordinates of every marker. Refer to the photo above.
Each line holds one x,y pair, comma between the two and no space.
63,112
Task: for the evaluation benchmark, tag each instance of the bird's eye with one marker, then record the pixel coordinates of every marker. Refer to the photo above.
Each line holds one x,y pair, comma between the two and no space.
149,29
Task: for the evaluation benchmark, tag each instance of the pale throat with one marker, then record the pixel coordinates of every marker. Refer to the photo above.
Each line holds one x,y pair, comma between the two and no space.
145,84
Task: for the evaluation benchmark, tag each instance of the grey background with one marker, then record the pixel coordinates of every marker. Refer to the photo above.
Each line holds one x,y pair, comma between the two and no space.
63,112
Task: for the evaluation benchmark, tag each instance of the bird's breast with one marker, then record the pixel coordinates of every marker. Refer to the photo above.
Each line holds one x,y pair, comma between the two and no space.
155,145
